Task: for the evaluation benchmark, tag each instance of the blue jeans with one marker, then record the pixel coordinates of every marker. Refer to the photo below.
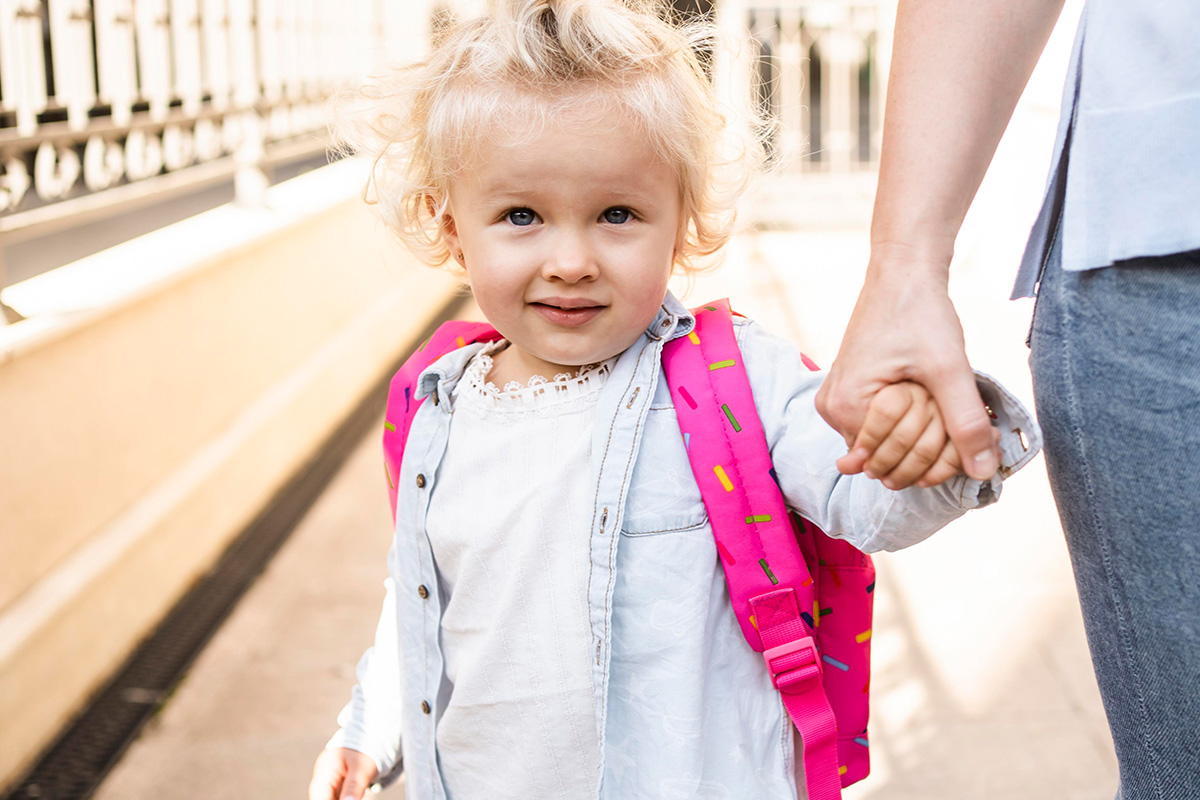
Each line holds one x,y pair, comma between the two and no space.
1116,370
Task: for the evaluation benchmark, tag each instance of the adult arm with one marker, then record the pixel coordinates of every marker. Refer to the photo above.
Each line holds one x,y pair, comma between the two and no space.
958,69
853,507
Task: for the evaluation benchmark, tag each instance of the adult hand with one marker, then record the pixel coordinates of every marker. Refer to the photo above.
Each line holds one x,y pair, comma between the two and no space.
904,328
341,774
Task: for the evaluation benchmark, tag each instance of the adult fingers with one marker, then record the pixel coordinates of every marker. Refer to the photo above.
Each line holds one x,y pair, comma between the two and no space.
839,407
917,461
966,421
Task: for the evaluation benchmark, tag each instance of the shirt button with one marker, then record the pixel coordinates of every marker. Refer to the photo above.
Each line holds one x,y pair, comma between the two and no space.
425,706
421,590
420,481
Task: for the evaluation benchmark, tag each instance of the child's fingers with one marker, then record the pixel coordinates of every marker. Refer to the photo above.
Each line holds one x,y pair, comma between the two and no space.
948,465
359,775
328,772
354,787
888,408
853,462
899,442
917,461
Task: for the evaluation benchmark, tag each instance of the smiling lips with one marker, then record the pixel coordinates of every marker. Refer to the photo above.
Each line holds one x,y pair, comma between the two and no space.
567,313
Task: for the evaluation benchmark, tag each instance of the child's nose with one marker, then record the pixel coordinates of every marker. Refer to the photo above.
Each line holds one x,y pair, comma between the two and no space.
573,259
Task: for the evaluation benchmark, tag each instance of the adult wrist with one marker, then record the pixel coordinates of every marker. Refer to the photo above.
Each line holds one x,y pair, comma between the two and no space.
911,265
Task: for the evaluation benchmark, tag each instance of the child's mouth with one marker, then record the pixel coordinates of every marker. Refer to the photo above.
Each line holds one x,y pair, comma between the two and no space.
567,317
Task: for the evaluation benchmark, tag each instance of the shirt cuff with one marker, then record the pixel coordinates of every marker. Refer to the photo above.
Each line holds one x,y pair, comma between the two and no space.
1020,441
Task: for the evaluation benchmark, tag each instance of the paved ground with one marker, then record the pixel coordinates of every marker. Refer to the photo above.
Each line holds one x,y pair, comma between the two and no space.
982,686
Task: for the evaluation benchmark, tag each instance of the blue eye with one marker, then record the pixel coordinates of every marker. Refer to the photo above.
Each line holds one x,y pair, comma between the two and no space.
617,216
521,217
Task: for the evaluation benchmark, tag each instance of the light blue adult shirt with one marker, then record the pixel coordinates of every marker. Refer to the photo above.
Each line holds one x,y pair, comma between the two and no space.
684,708
1125,177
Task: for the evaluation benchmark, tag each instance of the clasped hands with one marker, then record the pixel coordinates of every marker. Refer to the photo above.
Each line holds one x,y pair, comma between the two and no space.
901,391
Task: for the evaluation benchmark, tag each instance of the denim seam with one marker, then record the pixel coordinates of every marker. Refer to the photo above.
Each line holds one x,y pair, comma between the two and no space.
611,563
1075,414
660,531
591,570
607,444
612,571
420,512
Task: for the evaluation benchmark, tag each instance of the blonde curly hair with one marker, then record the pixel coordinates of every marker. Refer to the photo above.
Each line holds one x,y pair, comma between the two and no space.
535,61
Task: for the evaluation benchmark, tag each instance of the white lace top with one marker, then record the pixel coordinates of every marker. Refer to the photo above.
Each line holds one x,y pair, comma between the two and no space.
545,397
515,630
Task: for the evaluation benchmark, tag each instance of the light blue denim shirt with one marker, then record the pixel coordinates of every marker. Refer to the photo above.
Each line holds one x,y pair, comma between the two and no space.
684,708
1125,174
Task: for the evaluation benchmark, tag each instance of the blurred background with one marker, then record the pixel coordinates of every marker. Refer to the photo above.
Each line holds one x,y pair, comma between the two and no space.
199,318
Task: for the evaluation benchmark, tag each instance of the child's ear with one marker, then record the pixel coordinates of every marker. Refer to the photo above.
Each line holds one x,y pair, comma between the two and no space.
446,226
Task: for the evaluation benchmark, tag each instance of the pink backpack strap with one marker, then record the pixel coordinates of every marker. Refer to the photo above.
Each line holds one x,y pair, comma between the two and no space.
769,583
402,403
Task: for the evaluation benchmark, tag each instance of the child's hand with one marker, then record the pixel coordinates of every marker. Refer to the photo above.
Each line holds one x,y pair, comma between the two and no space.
903,440
341,774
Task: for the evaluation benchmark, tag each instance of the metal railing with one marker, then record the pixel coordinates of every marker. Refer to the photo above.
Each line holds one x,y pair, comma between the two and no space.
820,77
105,103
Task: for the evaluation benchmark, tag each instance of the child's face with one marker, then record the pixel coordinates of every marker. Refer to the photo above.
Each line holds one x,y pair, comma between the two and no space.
568,236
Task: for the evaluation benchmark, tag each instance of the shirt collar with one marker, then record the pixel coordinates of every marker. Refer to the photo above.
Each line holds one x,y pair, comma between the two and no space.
672,320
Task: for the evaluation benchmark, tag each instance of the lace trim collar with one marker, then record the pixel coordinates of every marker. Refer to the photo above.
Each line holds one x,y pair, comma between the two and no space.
538,392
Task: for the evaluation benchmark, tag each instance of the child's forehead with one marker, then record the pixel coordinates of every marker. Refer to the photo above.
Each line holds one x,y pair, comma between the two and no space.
586,152
521,129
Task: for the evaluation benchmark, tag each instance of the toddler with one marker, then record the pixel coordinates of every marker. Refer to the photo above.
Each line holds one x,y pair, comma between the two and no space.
556,623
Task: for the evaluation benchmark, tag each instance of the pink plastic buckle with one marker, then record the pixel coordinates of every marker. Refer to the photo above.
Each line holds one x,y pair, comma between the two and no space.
792,676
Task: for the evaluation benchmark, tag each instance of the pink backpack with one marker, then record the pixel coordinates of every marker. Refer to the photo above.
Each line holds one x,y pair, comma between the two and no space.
803,599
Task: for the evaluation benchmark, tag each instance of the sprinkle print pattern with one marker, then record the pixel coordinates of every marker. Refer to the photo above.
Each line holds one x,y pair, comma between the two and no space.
839,590
723,478
833,662
732,420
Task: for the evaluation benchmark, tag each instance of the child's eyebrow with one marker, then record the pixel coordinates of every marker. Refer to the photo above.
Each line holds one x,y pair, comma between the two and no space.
498,193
